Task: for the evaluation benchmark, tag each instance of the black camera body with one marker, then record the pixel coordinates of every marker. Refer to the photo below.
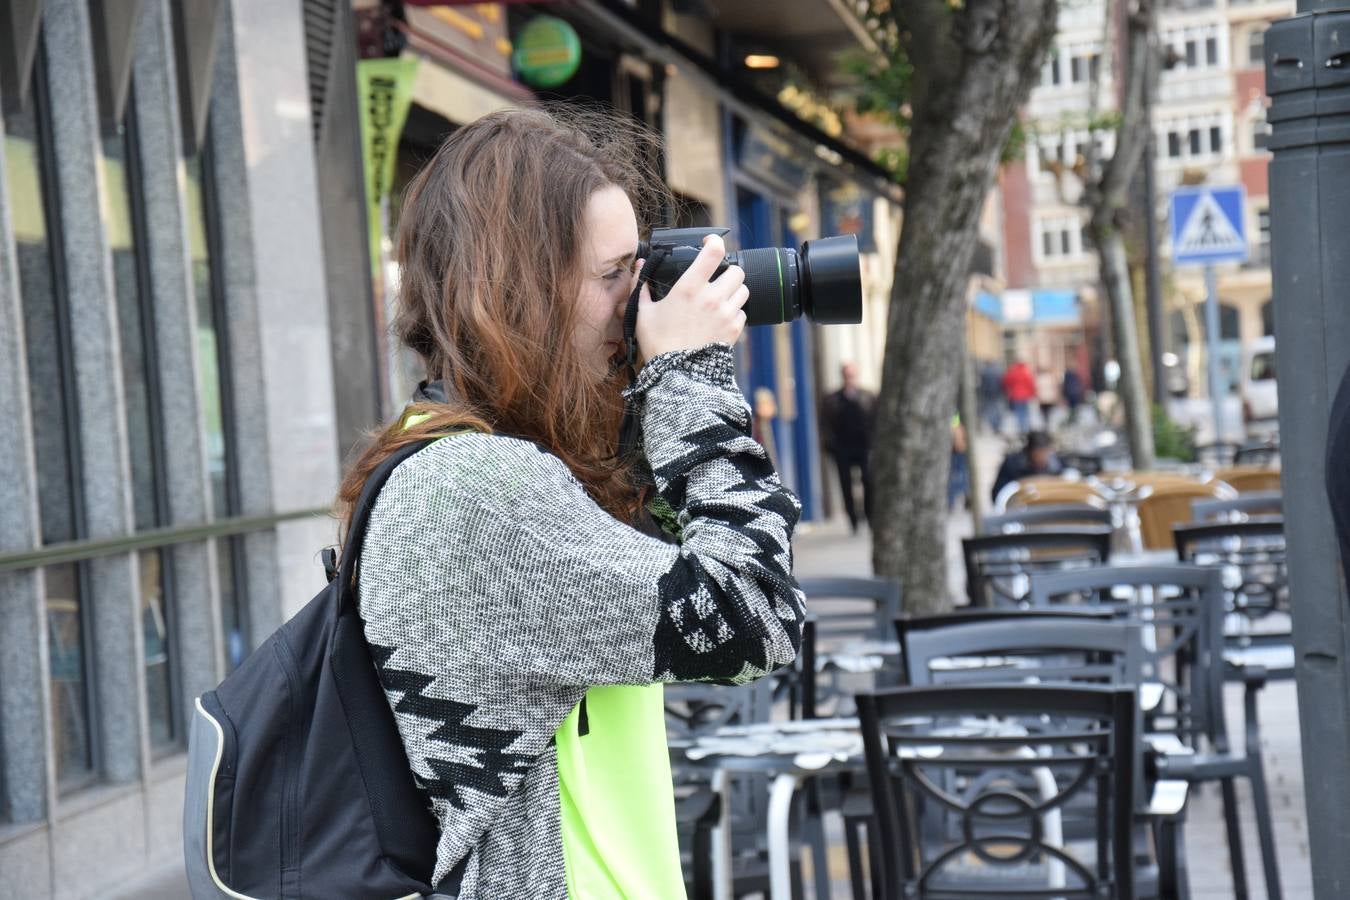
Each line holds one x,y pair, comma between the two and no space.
823,280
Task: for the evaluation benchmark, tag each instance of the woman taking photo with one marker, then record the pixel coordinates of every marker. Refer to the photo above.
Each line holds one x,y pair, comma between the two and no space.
520,609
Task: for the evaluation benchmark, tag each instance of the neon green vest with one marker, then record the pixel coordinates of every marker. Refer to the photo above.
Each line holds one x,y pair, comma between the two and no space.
618,804
616,797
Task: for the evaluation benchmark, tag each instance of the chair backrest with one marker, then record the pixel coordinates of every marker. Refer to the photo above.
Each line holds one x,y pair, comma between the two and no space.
693,709
1043,490
1216,453
1245,479
1085,464
844,612
997,565
851,608
1166,502
1048,649
1261,454
1179,609
1253,558
1051,515
1252,503
998,793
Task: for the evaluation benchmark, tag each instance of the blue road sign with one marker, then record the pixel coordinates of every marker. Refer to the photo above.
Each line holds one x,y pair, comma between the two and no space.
1208,225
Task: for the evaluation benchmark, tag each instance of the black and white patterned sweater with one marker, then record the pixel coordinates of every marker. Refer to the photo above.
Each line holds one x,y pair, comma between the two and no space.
495,591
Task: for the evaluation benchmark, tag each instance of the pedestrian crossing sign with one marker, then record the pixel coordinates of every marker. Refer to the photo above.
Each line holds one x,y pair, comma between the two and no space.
1208,225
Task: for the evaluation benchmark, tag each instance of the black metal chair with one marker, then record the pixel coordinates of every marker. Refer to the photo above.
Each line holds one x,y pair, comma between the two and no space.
1253,557
998,565
1259,454
1255,503
1182,607
1216,453
1054,646
955,817
695,709
844,613
1055,515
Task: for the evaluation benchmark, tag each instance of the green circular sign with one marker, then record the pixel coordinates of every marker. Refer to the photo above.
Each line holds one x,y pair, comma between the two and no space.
547,52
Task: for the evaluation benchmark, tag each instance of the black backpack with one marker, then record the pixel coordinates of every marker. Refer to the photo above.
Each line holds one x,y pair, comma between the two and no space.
297,784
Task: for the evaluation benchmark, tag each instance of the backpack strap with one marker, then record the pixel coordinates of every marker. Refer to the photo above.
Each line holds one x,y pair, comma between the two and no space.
356,533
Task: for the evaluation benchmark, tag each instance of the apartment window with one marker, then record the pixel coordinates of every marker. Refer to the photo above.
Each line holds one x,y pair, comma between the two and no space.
31,181
1263,231
1061,237
1256,47
1173,145
1050,72
1193,140
1212,51
1192,55
1078,69
1260,131
1215,139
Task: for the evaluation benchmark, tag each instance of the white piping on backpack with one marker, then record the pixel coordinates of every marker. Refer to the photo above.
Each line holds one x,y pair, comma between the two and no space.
210,812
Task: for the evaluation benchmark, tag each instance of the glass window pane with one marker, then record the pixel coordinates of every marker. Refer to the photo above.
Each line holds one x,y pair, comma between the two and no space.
54,414
1194,140
1173,144
1047,243
156,637
215,402
1212,51
1192,54
1216,139
65,650
134,329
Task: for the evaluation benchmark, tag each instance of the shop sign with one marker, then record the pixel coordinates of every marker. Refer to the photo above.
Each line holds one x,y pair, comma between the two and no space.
848,209
384,88
547,52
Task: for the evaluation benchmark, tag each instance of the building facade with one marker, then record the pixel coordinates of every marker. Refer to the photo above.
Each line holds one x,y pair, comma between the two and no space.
1209,128
191,342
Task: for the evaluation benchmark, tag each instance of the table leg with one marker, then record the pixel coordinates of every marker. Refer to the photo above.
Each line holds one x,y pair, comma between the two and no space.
780,846
723,882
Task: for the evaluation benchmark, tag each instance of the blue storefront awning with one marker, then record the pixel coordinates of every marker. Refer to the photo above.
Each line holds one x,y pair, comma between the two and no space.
1037,307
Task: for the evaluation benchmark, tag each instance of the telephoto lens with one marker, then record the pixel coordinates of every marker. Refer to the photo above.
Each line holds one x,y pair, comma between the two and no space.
822,281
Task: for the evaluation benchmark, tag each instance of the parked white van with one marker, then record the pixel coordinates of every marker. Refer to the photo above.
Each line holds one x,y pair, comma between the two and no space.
1260,403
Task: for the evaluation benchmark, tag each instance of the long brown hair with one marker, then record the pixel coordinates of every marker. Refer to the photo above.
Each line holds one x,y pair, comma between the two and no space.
488,246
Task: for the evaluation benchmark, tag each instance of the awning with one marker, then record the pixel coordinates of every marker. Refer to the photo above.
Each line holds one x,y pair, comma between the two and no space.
740,96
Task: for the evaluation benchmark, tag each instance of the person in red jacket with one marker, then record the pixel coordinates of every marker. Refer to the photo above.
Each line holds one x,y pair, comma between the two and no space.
1019,385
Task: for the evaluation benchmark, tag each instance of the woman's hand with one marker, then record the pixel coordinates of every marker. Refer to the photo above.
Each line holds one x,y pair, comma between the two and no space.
696,311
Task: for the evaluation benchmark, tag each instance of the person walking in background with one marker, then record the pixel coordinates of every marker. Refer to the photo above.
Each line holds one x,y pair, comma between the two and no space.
847,417
958,479
1073,392
1047,395
1019,387
990,396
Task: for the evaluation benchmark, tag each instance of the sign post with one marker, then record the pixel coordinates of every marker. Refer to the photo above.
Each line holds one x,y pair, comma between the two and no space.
1208,227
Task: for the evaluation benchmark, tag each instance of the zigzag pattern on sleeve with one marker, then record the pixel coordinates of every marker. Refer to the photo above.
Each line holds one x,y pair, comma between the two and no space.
495,592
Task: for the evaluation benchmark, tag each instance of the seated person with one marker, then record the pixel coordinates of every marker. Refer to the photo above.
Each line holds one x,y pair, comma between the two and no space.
1036,458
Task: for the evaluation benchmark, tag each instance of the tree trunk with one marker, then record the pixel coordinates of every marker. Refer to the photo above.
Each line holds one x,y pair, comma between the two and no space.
974,68
1115,278
1108,199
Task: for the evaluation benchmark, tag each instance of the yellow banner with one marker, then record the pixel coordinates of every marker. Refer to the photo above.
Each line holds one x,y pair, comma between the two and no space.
384,88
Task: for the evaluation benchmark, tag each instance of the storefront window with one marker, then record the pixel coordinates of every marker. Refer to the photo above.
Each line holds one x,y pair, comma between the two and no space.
30,184
124,224
217,409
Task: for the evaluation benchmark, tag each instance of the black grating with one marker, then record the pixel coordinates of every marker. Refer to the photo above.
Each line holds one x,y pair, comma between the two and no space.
321,33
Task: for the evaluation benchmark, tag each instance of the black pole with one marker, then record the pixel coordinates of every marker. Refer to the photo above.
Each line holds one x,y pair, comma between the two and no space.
1152,271
1308,79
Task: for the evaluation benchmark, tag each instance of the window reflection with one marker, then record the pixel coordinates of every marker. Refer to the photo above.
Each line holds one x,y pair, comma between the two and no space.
212,362
123,222
54,413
